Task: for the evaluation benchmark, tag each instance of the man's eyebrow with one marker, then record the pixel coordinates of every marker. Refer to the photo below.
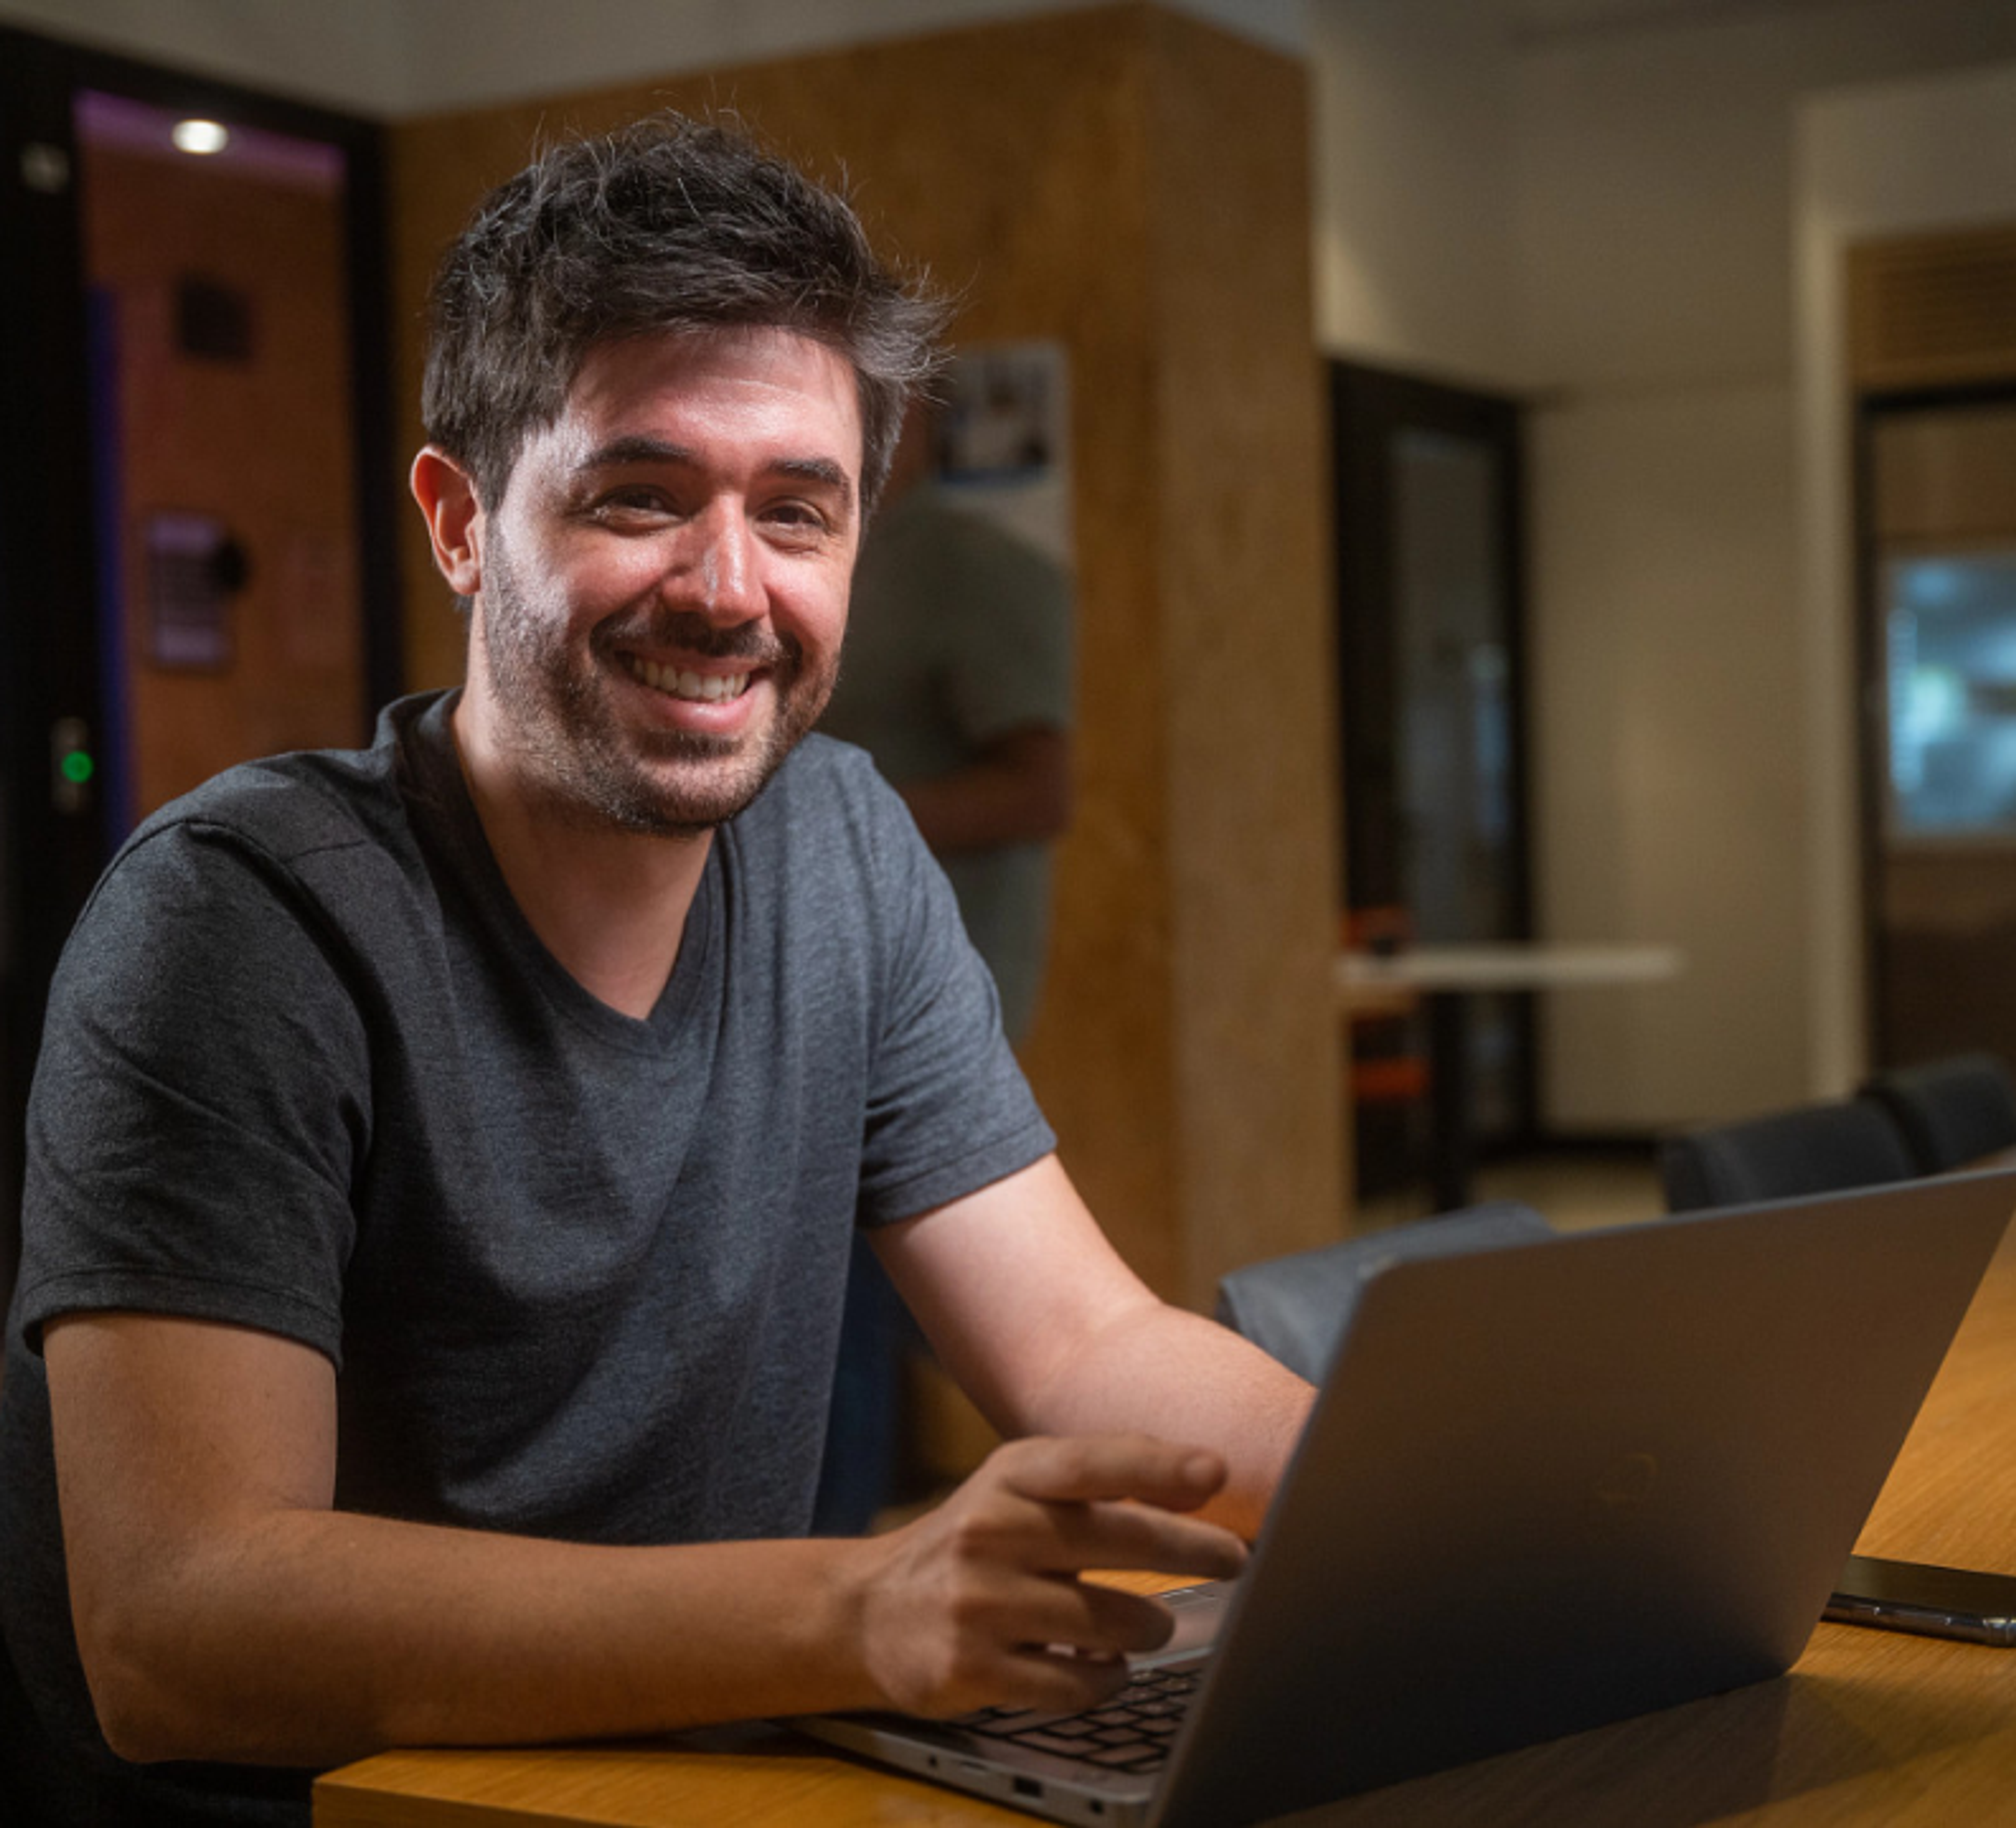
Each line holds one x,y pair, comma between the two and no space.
819,470
637,448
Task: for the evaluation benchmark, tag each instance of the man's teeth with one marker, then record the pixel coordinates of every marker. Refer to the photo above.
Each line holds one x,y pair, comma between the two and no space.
708,687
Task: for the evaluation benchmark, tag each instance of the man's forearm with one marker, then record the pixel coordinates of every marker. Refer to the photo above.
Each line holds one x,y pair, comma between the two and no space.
318,1636
314,1636
1178,1376
225,1610
1034,1313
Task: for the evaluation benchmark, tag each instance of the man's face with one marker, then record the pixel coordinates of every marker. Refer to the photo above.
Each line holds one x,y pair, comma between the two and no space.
663,586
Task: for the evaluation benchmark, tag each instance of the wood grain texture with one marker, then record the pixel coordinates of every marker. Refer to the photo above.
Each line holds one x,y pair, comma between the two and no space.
1932,310
1248,667
1134,185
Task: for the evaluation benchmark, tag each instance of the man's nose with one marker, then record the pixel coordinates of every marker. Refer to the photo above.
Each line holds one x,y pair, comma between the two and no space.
717,573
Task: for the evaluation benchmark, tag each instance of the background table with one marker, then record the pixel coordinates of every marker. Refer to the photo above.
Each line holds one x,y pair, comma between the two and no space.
1448,977
1871,1727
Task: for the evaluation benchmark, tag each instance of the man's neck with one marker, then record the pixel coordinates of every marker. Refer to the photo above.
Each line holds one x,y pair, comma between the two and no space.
610,904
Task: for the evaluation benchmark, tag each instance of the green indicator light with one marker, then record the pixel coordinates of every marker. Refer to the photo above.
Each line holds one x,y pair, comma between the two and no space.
77,767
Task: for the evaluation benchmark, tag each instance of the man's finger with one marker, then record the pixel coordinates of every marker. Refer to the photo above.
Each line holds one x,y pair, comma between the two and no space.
1058,1681
1120,1623
1086,1618
1090,1468
1138,1537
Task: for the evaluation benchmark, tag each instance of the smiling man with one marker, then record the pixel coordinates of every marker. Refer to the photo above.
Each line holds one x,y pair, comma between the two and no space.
659,601
444,1156
661,596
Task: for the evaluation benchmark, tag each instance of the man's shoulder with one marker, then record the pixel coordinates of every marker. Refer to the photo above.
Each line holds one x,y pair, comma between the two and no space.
829,822
323,843
291,806
288,805
822,776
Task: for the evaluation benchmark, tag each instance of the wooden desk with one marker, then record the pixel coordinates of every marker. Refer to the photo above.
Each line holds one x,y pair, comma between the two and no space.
1871,1727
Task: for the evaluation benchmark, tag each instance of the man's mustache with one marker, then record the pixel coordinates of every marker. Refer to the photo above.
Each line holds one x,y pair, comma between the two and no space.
695,634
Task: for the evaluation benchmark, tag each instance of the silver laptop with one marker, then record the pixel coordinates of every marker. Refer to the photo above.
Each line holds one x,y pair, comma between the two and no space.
1547,1485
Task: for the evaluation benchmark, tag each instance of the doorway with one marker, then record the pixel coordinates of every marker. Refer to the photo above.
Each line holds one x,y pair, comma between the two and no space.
196,506
1431,654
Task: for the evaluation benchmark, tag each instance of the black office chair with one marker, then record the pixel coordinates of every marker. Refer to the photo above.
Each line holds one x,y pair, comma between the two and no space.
1295,1308
1950,1111
1814,1149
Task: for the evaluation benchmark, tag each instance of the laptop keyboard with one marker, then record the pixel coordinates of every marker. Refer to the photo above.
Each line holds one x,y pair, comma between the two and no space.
1132,1732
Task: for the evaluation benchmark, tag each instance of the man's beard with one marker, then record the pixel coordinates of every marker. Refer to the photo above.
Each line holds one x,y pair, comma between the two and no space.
552,700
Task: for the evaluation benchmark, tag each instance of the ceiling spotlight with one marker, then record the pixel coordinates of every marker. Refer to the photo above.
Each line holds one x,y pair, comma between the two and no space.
201,136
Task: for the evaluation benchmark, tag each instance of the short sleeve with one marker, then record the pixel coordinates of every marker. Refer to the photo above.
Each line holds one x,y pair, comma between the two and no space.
947,1109
200,1110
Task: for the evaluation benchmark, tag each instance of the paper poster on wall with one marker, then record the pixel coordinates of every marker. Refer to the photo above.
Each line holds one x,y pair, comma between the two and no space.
1004,439
194,568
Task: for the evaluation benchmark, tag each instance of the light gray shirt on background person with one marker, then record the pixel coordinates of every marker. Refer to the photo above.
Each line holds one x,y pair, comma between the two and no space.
960,632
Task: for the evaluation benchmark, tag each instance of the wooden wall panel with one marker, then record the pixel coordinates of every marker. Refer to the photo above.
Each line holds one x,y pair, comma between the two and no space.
1248,633
1929,310
262,444
1046,171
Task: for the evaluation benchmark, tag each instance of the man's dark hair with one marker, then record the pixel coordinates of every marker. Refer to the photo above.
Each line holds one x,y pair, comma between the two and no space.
667,225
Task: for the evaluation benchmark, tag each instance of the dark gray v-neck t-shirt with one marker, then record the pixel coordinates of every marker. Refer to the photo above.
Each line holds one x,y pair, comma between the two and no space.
308,1069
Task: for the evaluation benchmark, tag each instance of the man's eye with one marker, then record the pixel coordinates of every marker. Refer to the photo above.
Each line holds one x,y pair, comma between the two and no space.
796,519
633,504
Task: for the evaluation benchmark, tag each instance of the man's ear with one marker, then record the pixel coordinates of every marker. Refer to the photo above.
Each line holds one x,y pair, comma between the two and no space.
447,502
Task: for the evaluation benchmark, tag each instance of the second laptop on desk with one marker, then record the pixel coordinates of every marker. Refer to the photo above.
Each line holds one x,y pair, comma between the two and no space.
1547,1485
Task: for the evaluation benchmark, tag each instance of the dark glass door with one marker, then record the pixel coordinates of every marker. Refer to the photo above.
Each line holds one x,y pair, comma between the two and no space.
1428,518
165,610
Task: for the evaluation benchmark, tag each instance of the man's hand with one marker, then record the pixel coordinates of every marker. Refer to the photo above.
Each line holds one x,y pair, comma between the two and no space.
980,1602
